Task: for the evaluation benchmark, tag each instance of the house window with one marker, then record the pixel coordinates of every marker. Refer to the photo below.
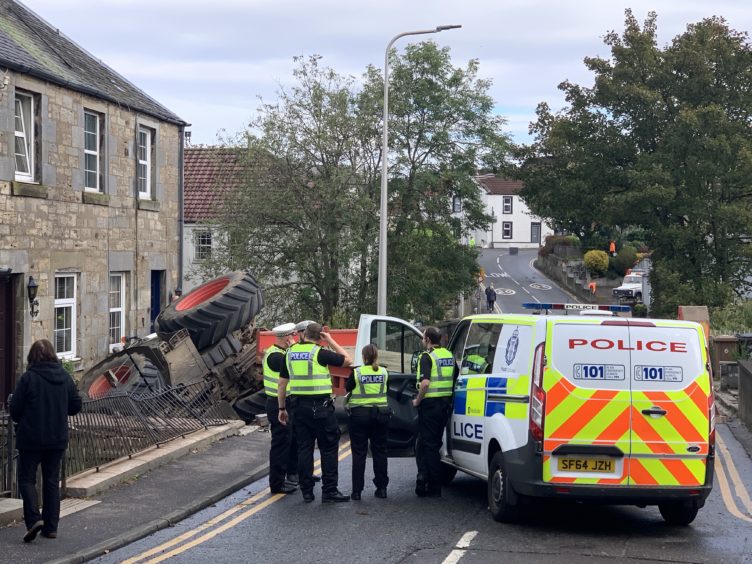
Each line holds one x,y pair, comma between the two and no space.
202,245
93,137
507,205
456,205
117,309
144,153
26,141
65,315
506,230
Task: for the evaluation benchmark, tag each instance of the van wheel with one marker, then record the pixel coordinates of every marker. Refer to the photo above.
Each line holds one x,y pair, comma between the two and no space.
500,496
678,513
448,473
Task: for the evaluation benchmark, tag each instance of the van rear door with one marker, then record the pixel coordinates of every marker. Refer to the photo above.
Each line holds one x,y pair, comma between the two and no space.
586,428
670,405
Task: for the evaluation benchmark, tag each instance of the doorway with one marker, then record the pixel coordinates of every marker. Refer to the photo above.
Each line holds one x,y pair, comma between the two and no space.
535,233
157,294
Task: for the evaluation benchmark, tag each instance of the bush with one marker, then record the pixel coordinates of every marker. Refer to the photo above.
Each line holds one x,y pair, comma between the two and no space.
625,259
596,262
639,310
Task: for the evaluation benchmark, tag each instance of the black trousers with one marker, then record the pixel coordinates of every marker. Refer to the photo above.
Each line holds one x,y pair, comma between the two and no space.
283,454
316,422
433,414
366,424
28,462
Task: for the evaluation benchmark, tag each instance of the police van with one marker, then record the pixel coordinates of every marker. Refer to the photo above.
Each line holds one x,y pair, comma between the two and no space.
606,409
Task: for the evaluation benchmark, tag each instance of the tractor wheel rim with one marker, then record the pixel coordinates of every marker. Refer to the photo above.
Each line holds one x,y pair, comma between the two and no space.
202,294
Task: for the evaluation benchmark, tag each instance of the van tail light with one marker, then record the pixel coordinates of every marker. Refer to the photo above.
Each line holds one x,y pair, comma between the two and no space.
538,395
711,406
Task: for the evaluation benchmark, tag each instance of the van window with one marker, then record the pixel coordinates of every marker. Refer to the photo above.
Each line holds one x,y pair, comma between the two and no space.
457,345
396,343
480,348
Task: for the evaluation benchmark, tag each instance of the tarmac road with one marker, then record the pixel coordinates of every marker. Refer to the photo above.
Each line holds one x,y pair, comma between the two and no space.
252,526
517,281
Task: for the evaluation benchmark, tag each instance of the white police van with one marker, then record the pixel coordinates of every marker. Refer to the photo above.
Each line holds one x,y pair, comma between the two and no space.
604,409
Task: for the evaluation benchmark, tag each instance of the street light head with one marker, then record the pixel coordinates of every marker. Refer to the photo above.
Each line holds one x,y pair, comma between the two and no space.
446,27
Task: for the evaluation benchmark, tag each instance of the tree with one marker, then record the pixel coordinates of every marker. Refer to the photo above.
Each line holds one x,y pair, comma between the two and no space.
662,142
442,130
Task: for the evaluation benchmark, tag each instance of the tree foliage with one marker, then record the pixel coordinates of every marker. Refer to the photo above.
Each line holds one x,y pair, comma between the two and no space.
661,141
305,218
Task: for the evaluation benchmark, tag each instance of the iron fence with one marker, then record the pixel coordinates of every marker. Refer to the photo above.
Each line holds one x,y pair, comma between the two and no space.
121,425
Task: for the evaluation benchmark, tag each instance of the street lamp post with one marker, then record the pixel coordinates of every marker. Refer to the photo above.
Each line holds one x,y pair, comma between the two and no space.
381,294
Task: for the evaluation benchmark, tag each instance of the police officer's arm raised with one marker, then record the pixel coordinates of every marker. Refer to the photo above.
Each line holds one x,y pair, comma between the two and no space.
326,358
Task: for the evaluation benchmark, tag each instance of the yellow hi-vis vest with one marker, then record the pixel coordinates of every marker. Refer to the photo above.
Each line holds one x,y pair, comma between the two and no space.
370,387
442,373
307,376
271,377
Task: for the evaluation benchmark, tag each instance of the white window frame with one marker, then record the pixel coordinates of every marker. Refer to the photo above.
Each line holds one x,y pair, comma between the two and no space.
198,234
28,136
144,194
506,205
504,226
456,204
68,303
97,154
120,308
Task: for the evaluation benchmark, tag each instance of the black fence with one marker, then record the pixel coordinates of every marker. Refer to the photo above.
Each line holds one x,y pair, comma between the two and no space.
121,425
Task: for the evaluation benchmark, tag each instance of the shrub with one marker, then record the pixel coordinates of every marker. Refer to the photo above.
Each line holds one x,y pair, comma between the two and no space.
596,262
625,259
639,310
558,241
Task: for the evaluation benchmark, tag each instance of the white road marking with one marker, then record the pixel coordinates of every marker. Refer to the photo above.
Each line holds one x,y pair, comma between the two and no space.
525,290
540,286
505,291
459,550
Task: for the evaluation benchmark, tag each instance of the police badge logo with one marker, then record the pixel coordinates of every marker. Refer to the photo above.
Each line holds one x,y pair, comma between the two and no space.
512,345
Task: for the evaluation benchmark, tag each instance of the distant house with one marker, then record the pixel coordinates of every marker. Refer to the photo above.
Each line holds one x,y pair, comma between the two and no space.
513,224
90,183
209,173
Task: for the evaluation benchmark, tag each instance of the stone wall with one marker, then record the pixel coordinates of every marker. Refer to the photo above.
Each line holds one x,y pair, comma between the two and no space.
56,226
745,392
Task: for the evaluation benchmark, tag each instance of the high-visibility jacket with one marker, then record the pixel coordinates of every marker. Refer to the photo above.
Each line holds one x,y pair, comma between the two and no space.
370,387
442,373
271,377
476,364
307,376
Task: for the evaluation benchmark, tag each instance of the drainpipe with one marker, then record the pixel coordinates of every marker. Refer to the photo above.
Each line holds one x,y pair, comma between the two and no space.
181,186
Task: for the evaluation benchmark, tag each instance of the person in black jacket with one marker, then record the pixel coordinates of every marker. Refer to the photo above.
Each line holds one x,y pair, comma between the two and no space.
44,398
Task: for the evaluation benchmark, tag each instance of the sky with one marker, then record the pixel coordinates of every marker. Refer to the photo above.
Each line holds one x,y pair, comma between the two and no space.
210,61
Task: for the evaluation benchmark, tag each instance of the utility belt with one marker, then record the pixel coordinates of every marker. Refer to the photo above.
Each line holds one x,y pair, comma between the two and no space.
369,410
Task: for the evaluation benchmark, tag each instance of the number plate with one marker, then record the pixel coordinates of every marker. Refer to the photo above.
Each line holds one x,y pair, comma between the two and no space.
601,465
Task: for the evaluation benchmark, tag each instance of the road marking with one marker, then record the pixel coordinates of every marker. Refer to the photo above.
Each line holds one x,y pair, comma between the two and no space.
540,286
728,498
459,549
505,292
526,290
741,491
344,452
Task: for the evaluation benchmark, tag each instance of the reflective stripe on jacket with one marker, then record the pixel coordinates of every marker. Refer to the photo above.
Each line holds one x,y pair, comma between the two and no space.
307,376
370,387
442,373
271,377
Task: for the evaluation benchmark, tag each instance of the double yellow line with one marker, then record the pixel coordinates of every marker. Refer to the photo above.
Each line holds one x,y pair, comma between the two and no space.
723,482
183,542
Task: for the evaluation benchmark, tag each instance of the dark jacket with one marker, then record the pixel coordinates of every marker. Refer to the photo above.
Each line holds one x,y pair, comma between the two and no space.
490,294
44,398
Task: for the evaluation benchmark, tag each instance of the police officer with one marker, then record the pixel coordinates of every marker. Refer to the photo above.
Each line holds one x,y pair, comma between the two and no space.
306,374
436,370
282,458
369,420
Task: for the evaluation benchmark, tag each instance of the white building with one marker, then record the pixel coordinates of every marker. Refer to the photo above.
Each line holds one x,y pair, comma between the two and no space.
513,224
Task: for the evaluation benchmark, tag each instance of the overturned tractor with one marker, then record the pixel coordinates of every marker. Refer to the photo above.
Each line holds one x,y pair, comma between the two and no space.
207,335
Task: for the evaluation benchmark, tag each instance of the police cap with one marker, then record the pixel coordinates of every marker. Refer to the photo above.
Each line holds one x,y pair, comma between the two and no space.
284,330
302,325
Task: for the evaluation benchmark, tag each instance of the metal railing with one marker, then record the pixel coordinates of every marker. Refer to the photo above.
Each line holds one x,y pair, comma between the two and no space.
121,425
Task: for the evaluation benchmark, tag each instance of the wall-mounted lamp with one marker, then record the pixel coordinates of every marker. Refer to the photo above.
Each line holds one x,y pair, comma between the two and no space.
31,289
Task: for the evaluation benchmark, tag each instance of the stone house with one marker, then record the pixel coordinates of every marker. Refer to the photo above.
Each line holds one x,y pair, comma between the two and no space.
513,225
90,199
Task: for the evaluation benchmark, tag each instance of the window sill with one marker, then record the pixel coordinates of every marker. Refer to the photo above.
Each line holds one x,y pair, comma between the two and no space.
28,190
148,205
96,198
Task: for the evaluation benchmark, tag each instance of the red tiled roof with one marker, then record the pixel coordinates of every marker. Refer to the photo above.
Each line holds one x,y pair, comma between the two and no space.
209,173
497,186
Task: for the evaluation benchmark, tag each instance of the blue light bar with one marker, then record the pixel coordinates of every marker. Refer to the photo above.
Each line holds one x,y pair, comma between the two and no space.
537,306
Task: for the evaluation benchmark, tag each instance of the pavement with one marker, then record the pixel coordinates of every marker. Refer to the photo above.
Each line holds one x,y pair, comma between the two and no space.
135,499
147,502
